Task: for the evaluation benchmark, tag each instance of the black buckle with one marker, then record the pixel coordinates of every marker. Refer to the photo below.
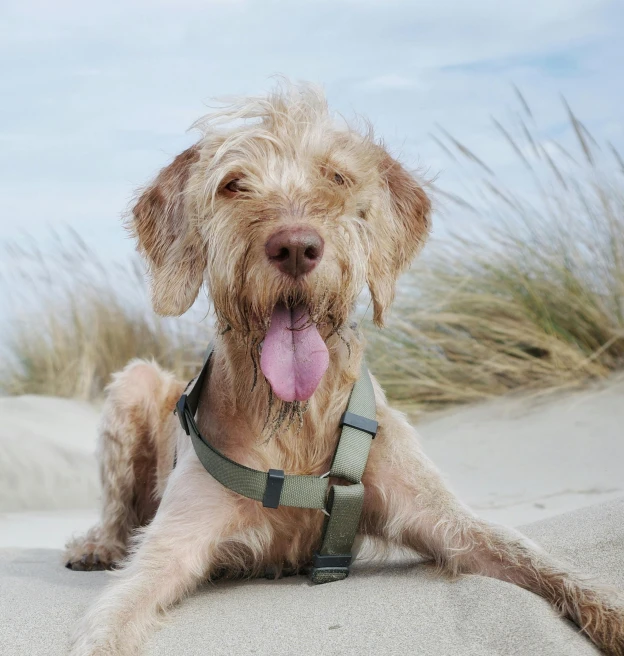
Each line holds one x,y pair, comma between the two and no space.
180,410
331,567
273,489
361,423
331,561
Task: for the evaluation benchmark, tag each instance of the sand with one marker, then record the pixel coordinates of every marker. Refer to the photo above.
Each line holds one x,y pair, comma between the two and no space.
47,450
516,461
396,609
513,461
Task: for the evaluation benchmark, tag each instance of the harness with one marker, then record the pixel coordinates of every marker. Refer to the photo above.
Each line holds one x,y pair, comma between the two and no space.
342,504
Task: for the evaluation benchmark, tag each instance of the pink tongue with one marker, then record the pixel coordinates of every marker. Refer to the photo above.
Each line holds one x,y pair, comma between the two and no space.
294,358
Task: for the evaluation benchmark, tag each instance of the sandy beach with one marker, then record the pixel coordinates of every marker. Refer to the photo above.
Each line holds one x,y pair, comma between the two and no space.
513,460
395,609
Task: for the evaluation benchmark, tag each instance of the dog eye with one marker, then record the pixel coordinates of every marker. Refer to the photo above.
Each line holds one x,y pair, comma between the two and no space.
235,186
338,179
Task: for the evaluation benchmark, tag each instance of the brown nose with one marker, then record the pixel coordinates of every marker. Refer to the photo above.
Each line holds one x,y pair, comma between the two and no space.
295,251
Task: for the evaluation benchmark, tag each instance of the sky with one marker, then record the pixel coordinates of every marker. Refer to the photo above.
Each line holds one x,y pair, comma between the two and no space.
96,97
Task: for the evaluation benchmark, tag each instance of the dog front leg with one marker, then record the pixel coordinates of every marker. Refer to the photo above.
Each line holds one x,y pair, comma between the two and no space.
173,554
410,505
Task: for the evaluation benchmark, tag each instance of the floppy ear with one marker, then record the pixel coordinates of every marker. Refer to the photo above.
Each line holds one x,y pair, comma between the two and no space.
170,244
402,231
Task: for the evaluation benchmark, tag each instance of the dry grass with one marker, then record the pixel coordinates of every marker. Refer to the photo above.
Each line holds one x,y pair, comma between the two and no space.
532,299
78,322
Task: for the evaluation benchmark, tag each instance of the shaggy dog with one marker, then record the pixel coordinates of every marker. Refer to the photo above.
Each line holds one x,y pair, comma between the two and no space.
285,215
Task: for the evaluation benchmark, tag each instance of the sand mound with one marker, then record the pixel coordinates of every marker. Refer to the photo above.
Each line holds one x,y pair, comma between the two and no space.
392,609
513,461
47,450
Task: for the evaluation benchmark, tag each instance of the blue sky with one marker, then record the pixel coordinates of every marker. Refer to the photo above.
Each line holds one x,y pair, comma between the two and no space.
98,96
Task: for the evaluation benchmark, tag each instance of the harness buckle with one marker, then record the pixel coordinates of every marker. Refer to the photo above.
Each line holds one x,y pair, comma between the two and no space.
180,410
360,423
329,567
273,489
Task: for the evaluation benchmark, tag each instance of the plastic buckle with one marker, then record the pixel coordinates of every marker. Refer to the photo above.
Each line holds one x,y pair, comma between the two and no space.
273,489
180,410
329,568
361,423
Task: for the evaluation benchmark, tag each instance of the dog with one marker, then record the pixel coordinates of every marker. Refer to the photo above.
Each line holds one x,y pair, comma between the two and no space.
282,212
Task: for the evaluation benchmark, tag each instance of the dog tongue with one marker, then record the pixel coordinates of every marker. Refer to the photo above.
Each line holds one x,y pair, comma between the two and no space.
294,356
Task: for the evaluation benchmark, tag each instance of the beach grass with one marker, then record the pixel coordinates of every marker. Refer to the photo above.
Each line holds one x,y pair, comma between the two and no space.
527,294
77,322
530,294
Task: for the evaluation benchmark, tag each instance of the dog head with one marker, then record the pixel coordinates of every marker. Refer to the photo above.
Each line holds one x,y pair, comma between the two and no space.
285,215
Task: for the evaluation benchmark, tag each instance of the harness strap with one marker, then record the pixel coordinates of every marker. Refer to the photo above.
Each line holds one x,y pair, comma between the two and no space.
332,561
343,504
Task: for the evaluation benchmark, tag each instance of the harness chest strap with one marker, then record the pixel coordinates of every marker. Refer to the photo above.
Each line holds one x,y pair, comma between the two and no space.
342,503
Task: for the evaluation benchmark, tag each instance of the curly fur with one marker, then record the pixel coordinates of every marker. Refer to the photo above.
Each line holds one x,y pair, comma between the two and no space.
169,529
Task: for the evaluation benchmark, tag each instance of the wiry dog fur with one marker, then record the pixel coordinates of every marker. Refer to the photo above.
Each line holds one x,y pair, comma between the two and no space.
294,165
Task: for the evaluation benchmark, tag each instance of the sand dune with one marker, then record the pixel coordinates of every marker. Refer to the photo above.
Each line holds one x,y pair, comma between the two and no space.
520,460
512,460
47,450
395,609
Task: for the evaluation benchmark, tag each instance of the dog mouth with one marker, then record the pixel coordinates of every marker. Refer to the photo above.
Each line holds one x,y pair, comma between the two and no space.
294,356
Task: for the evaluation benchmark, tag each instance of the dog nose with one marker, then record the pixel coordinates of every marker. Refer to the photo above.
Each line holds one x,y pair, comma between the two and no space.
295,251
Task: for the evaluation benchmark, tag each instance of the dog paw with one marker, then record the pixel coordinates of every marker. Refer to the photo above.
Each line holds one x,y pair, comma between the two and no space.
88,645
92,556
272,572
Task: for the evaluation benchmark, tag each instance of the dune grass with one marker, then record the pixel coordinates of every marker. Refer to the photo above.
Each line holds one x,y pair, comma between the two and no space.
78,322
530,297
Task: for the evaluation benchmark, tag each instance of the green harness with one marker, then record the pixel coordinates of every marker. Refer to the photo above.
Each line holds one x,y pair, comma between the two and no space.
342,504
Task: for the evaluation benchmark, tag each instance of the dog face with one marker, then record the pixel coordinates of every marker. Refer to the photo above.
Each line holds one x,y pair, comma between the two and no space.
286,218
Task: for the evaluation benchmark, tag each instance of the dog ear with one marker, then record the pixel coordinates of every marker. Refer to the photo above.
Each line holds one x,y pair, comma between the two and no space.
404,228
170,244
